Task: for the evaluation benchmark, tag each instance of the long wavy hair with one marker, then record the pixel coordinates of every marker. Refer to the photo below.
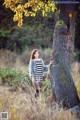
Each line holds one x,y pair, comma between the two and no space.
33,53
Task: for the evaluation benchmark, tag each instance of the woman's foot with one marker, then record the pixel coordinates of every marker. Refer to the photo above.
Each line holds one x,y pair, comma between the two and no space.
37,93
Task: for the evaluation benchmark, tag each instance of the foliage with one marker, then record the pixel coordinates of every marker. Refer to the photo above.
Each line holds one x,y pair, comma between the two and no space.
77,55
24,37
36,32
4,35
46,87
29,8
60,22
19,39
13,77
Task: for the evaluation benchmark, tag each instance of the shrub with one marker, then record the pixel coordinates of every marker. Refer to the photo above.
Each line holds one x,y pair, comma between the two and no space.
13,77
46,87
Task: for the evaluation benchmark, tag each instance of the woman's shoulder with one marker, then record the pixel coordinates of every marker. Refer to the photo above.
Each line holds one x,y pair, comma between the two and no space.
37,59
34,60
41,59
31,61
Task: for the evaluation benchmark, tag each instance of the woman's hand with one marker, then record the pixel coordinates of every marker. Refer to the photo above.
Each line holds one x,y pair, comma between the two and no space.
50,63
33,80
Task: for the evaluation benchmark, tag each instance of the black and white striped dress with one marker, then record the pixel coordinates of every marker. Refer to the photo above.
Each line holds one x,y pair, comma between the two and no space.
38,70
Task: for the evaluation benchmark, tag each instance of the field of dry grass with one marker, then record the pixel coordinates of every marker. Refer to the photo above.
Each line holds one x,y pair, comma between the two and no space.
22,105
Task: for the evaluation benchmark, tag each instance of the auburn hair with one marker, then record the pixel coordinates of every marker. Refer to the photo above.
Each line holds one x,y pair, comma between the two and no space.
33,53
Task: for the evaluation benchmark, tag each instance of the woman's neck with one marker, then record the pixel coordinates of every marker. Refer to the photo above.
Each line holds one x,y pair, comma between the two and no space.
36,59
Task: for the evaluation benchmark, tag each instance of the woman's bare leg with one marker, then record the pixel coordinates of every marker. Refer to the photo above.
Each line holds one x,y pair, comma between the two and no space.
37,86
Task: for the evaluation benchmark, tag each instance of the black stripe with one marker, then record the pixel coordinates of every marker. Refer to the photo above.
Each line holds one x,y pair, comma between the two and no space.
39,72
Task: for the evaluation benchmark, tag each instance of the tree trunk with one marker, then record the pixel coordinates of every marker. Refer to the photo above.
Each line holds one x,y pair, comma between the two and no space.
63,41
65,11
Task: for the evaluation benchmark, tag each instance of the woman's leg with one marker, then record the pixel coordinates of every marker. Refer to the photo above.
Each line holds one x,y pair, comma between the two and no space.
39,86
36,86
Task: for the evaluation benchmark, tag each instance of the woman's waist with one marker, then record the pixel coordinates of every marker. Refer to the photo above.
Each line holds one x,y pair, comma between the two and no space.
38,73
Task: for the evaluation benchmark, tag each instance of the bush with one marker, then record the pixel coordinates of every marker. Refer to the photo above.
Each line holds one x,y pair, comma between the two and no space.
13,77
46,87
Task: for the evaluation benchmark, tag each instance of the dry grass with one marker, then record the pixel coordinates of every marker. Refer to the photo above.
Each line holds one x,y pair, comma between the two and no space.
76,67
76,78
22,106
7,58
76,75
11,59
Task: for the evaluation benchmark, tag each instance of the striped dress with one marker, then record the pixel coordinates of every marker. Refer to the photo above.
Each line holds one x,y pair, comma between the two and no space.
38,70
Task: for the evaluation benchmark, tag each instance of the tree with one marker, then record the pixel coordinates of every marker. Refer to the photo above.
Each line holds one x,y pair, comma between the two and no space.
63,46
61,80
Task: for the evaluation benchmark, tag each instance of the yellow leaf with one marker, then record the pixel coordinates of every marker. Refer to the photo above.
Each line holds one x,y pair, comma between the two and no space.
43,13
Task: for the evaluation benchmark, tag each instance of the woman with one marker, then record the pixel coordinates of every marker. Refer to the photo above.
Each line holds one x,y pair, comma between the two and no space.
36,70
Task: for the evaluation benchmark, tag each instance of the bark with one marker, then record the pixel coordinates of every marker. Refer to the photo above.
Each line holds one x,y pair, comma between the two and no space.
61,80
65,10
63,46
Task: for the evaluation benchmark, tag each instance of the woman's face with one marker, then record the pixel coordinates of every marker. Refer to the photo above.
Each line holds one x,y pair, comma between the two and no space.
36,55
